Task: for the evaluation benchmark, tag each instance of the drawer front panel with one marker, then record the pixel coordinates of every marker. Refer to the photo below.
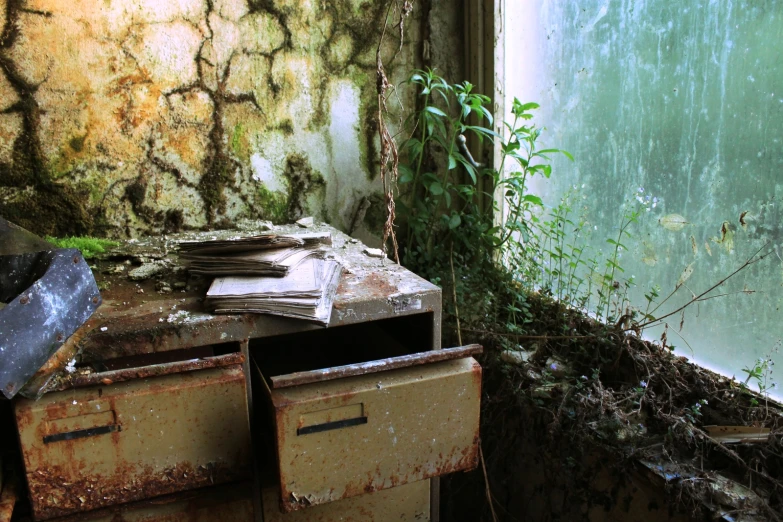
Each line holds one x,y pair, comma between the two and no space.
408,503
93,447
347,437
232,502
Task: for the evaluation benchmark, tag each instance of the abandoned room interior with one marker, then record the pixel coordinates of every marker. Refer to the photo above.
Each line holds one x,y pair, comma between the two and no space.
410,260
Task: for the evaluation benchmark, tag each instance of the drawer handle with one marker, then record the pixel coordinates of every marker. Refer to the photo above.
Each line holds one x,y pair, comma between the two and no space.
334,425
79,434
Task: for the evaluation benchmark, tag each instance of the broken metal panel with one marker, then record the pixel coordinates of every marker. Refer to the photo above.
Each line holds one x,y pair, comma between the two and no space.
409,502
93,447
230,502
49,295
346,437
41,381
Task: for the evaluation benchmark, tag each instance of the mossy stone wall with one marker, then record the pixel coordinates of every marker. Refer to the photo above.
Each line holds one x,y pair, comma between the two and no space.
127,117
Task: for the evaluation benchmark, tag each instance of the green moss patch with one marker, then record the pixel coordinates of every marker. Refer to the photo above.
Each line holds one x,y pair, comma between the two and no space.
89,246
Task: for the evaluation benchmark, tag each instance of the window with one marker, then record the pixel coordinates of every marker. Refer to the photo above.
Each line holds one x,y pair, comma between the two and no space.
685,101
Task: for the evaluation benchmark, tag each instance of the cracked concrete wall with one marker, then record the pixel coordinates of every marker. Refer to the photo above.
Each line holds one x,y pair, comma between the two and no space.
126,117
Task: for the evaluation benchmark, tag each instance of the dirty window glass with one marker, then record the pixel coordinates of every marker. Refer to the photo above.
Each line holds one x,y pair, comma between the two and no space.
685,101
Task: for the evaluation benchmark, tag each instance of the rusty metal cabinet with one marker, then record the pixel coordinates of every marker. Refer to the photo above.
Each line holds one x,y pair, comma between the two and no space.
151,413
92,447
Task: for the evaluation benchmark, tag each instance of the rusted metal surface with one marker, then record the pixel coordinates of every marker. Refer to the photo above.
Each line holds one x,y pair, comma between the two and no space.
39,382
136,318
144,372
8,498
380,365
347,437
232,502
93,447
410,502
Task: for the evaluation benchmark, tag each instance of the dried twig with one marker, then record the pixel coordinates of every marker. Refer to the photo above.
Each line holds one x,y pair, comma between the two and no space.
486,484
454,292
755,258
389,156
534,337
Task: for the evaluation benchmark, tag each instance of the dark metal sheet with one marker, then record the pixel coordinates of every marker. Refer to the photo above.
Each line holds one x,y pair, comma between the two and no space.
49,295
16,240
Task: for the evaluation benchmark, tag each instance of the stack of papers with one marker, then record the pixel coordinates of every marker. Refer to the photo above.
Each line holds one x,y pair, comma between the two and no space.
305,292
268,254
240,244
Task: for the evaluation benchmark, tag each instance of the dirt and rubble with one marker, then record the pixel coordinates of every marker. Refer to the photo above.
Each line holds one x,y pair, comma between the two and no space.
577,414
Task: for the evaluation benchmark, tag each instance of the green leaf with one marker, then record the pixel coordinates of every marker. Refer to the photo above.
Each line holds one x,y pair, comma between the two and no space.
436,189
471,170
406,174
452,162
455,221
530,198
483,131
487,114
435,111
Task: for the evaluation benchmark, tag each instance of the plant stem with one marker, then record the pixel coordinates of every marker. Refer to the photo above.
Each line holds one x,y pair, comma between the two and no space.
418,172
454,292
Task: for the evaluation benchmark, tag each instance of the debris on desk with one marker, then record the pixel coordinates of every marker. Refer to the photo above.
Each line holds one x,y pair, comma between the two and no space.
375,252
146,271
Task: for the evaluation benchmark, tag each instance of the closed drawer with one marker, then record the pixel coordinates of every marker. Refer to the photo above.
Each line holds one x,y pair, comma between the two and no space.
408,503
98,446
346,431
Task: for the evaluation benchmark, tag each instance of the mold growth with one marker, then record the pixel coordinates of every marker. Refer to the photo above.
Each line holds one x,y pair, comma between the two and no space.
157,136
302,180
29,195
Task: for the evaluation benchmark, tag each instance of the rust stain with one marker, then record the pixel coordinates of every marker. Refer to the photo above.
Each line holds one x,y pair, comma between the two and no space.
374,285
156,370
228,502
8,500
56,492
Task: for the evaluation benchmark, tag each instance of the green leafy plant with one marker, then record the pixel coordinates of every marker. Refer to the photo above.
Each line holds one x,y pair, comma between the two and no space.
761,373
435,202
447,199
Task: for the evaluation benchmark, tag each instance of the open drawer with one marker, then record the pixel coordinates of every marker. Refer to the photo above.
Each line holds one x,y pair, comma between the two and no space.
367,426
124,439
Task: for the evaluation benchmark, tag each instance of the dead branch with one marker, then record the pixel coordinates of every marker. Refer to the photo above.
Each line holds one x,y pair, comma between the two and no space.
750,261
